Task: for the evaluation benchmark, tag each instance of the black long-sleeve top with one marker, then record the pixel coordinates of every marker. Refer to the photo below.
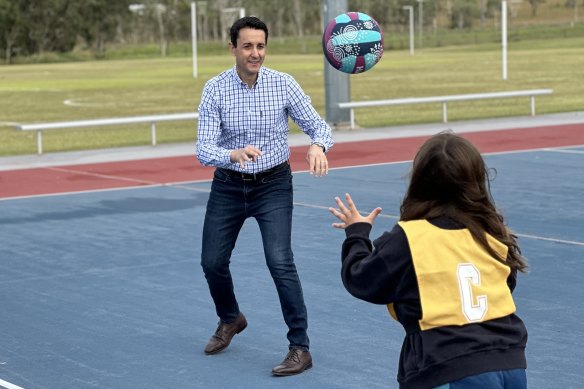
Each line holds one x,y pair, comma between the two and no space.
383,272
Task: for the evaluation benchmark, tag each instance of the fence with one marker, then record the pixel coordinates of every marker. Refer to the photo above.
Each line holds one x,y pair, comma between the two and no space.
444,100
40,127
153,119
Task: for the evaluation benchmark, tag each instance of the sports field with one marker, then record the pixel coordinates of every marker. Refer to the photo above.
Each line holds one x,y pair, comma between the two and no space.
120,88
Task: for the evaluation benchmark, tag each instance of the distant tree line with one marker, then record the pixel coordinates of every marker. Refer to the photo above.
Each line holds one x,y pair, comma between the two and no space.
32,27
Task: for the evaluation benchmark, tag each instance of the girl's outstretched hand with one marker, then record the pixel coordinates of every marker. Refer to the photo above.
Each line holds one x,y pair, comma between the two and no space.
349,214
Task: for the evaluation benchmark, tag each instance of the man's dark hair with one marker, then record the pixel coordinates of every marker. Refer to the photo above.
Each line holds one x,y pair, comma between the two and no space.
247,22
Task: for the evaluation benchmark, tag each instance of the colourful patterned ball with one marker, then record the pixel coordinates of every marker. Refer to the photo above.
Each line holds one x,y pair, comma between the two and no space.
353,42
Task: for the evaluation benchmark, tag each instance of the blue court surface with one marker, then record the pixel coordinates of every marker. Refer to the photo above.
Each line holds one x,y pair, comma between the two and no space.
104,289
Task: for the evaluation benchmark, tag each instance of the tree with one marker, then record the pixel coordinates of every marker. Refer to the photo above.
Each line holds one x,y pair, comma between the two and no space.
32,27
462,13
10,27
100,19
534,4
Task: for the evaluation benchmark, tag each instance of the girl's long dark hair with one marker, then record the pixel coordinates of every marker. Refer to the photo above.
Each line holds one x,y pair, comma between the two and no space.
449,178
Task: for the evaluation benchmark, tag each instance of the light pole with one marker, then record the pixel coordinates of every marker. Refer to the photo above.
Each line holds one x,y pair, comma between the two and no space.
337,85
194,36
421,21
504,37
410,10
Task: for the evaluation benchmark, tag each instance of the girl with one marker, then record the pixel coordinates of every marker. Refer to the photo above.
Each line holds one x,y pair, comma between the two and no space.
445,271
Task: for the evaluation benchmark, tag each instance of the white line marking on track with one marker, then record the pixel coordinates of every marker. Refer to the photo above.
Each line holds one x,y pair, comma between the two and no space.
8,385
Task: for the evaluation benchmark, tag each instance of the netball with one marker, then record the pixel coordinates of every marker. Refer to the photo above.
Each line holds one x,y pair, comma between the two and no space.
353,42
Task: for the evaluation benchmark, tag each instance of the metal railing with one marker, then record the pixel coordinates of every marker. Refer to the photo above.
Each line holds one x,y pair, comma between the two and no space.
444,100
152,119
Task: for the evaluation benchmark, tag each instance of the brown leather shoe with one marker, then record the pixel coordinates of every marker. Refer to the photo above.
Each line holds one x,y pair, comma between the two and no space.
295,363
224,333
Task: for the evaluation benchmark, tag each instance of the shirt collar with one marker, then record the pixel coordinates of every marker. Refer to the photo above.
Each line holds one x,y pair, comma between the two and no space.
239,81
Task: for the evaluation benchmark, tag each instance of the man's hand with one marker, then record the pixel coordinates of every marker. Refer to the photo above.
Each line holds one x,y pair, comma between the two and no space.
246,154
349,214
317,161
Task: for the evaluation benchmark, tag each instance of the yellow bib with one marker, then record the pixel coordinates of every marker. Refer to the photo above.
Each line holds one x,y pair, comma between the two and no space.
459,282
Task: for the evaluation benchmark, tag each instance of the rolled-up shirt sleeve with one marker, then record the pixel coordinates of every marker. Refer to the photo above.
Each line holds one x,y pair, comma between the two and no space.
303,113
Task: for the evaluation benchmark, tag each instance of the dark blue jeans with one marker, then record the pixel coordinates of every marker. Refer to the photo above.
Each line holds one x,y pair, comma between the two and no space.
500,379
268,199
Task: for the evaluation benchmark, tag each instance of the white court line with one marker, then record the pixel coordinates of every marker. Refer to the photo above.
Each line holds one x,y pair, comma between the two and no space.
150,184
570,242
8,385
535,237
117,178
181,185
567,151
559,149
78,192
145,184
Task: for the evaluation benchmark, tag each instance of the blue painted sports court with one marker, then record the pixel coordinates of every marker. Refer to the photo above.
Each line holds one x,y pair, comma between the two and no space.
104,289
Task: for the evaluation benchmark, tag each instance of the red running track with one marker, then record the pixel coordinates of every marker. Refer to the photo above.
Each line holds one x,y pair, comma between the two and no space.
125,174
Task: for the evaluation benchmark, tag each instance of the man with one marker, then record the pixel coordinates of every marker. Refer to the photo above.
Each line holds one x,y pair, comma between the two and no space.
243,131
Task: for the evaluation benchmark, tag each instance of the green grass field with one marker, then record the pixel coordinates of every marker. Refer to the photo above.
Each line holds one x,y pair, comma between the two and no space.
37,93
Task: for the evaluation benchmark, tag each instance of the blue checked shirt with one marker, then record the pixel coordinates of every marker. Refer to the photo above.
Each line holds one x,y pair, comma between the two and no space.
232,116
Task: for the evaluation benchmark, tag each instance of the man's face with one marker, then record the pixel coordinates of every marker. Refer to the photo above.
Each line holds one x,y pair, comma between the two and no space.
250,51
